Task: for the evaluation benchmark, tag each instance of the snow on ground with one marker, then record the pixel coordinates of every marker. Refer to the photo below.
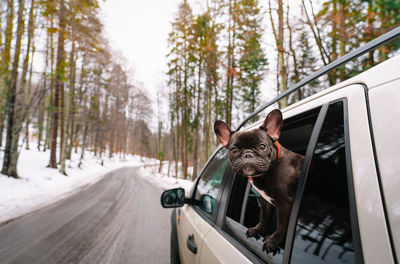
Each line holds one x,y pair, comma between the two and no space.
39,186
163,180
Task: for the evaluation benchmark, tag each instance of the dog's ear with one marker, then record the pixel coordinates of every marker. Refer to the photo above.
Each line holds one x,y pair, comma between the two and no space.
223,132
273,124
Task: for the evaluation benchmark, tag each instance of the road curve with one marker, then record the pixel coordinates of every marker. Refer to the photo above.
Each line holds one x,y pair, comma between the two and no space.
117,220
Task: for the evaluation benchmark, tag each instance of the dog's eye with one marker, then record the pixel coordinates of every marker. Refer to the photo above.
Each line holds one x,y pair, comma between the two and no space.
262,146
234,150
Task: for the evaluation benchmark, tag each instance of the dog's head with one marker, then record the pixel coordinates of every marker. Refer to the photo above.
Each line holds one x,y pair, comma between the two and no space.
251,152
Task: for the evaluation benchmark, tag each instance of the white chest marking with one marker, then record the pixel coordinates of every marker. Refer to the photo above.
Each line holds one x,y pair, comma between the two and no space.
264,195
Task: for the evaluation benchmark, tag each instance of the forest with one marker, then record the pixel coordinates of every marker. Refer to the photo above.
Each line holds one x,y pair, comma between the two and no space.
218,59
63,85
61,82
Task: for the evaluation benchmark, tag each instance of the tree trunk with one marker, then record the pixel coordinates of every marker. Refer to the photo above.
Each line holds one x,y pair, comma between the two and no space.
281,55
72,99
43,103
64,151
27,118
62,124
343,37
334,38
185,108
383,50
370,29
58,86
160,151
41,119
174,147
231,71
63,131
83,146
293,53
197,126
52,107
10,153
315,31
5,65
6,54
278,35
25,64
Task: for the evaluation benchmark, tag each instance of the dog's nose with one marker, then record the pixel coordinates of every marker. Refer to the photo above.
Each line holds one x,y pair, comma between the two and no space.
248,155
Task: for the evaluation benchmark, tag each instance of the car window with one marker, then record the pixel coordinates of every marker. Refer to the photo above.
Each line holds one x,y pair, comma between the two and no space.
324,228
210,181
244,205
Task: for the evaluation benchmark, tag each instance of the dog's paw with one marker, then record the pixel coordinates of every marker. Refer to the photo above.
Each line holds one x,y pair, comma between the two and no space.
271,245
253,232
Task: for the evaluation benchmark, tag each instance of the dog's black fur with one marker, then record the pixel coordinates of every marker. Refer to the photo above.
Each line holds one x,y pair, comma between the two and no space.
254,154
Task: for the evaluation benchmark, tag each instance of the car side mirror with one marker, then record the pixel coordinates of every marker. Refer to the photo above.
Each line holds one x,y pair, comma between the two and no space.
206,203
173,198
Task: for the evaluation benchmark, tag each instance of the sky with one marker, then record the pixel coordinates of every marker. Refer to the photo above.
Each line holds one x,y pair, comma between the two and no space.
139,31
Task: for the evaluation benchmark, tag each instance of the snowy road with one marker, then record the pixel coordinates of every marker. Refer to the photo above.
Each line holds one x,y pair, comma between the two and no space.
117,220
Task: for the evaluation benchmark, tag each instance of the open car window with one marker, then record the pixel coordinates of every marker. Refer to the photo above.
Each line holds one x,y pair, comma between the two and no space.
209,184
326,230
244,206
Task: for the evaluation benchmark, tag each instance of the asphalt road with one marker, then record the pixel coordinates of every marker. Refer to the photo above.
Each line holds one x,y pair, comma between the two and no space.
117,220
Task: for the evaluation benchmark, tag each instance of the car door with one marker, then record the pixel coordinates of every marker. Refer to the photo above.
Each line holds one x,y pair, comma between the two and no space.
196,219
337,215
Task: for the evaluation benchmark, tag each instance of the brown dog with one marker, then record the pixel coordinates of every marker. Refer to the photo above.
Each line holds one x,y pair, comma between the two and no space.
272,169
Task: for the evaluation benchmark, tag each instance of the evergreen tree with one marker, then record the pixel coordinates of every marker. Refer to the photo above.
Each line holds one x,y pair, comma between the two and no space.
252,61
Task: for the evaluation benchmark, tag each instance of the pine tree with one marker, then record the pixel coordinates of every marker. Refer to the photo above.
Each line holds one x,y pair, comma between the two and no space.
252,61
181,70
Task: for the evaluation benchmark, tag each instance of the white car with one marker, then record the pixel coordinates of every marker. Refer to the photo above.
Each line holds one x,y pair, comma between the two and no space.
347,205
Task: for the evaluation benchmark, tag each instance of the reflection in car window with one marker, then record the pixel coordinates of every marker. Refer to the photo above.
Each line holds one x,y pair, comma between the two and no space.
323,233
210,181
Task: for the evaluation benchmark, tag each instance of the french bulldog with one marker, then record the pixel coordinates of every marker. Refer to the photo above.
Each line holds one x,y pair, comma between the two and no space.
272,169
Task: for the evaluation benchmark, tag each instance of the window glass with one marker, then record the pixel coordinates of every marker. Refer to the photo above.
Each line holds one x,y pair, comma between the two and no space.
244,205
323,232
210,181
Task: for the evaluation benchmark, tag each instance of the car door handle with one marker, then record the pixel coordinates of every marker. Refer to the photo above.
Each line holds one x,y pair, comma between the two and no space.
191,244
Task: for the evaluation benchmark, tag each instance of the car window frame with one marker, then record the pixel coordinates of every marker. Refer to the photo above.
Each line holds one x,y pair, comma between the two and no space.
214,214
303,179
221,205
227,188
221,218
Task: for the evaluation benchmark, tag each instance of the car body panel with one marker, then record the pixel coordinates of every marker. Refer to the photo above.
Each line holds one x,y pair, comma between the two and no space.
385,117
191,223
217,249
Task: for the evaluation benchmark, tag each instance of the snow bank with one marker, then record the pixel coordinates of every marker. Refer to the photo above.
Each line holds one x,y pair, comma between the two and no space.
40,186
150,173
